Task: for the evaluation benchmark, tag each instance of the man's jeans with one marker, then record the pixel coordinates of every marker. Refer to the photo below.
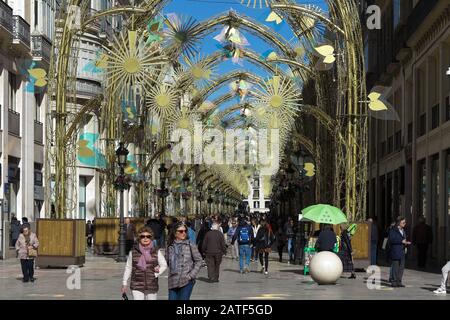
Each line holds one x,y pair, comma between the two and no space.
244,251
373,253
291,248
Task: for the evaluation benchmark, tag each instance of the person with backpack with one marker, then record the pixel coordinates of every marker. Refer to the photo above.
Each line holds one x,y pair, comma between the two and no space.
264,241
184,262
244,237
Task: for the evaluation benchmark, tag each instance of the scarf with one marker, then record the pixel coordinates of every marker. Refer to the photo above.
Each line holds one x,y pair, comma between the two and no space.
27,238
146,256
177,251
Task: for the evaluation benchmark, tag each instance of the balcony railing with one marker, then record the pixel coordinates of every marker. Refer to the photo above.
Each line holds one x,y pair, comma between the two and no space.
41,47
88,89
21,31
14,122
38,132
6,14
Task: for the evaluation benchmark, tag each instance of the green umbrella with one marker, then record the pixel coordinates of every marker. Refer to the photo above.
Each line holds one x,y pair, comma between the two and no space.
324,213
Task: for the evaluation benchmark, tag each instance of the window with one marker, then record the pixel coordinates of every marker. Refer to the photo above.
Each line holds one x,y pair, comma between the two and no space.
422,124
267,204
396,12
256,204
12,90
383,149
447,108
37,107
256,183
256,194
435,117
82,197
390,145
36,14
398,140
410,132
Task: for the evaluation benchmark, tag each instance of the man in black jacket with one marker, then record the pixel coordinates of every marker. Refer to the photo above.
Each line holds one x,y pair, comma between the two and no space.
327,239
155,225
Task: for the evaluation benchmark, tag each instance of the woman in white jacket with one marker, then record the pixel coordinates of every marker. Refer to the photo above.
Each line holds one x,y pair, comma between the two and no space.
145,264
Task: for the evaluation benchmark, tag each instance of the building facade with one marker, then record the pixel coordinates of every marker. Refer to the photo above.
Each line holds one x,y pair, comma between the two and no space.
409,159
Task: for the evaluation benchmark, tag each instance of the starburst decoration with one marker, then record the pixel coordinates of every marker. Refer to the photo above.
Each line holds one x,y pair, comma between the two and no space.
131,62
254,3
183,119
162,100
181,34
198,71
278,95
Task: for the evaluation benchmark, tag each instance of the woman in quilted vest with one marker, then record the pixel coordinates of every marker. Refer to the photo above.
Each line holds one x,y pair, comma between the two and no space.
184,261
145,264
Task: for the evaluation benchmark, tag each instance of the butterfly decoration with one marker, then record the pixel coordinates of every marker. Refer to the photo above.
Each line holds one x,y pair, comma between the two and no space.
88,154
233,35
231,51
268,55
310,169
326,55
379,107
241,88
98,65
128,110
154,29
131,167
274,17
36,77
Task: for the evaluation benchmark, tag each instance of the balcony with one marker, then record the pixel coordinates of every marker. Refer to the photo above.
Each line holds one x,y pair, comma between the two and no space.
41,48
14,122
89,89
21,35
38,132
6,24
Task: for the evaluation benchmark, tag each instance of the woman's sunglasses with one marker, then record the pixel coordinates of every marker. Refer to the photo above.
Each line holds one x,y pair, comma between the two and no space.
181,231
145,236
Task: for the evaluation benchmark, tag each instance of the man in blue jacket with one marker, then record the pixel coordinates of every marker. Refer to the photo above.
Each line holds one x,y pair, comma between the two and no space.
244,237
397,243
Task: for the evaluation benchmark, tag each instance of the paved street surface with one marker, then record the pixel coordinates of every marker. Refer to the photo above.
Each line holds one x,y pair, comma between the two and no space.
101,279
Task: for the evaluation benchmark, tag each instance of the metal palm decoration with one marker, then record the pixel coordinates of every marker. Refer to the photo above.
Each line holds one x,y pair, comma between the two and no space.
181,35
162,100
278,95
248,3
197,70
130,62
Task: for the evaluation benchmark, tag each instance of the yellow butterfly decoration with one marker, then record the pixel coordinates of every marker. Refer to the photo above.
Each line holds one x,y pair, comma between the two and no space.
40,75
375,103
83,150
327,53
130,112
272,56
273,17
130,169
310,169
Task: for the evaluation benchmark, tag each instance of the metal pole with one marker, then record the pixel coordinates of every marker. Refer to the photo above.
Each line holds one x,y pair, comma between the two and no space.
122,243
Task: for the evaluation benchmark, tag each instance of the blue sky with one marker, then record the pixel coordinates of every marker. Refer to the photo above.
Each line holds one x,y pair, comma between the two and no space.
204,9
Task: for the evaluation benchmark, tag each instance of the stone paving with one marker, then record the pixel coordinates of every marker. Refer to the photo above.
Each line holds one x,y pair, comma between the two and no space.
101,279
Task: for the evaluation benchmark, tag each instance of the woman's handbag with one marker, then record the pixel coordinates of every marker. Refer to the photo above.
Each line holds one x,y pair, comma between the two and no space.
32,253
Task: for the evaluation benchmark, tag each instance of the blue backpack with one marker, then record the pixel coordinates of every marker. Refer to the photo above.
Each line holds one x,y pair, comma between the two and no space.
244,236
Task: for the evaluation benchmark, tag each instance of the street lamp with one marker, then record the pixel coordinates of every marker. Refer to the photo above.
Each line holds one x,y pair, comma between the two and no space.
163,191
122,184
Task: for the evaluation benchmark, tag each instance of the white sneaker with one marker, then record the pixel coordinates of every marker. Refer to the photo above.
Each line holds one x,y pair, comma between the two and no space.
266,272
440,291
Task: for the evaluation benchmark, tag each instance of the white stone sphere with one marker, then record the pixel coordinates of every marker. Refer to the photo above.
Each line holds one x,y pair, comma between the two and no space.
325,267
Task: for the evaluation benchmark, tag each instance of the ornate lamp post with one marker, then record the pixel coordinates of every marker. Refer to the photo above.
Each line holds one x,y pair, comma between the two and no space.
163,190
200,195
121,184
210,199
